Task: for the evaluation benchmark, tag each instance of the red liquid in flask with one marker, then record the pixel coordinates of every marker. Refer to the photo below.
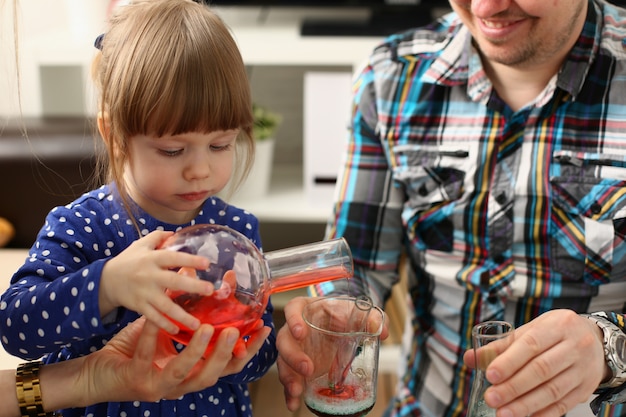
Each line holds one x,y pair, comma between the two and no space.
240,309
220,313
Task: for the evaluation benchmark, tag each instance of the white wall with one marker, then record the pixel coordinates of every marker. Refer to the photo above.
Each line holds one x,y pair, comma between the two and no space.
50,34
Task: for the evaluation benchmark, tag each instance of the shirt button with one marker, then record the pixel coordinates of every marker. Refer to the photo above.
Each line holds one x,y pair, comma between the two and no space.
501,198
596,208
499,259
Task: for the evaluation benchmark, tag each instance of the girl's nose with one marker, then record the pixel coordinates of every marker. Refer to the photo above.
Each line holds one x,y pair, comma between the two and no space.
198,167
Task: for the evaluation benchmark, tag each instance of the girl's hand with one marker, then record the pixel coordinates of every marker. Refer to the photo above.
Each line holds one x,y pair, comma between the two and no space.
138,277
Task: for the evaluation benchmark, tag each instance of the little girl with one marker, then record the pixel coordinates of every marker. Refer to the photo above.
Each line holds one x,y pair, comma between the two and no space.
175,115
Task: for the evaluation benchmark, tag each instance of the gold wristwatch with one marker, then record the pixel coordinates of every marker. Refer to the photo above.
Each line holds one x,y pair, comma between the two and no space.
28,390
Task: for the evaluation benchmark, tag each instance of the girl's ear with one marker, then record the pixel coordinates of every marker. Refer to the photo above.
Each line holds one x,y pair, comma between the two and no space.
104,127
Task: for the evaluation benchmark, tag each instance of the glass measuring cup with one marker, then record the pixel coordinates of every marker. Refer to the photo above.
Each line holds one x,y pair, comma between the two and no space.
343,342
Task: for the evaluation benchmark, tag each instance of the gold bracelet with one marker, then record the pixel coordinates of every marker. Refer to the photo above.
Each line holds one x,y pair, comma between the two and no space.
29,391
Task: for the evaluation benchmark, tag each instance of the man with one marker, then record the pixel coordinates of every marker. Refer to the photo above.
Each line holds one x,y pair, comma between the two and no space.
491,149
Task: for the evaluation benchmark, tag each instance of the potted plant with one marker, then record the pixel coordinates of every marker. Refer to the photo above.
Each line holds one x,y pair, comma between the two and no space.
266,122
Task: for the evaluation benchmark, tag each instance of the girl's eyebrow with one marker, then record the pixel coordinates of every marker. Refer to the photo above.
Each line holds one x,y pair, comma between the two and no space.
183,137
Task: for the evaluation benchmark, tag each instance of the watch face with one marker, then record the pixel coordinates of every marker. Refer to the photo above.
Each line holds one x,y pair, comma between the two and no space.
618,346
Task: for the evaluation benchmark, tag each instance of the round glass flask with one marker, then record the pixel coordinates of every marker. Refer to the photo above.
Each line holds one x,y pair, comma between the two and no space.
244,277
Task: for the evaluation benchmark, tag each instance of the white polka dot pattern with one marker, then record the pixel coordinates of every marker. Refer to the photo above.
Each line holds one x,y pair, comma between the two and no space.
52,306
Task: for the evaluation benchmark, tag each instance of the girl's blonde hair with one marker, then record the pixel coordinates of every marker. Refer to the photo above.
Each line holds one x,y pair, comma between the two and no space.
168,67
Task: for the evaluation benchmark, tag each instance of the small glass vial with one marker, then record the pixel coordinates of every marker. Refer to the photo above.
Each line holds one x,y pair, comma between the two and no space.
482,335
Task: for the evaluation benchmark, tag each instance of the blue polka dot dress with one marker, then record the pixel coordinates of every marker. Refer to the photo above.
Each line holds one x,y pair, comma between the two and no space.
52,309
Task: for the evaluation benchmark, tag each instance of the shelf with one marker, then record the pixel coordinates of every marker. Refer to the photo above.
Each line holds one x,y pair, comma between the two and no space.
273,38
285,46
286,200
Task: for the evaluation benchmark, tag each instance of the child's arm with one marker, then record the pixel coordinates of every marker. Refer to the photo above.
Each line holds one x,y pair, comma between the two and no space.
54,298
49,305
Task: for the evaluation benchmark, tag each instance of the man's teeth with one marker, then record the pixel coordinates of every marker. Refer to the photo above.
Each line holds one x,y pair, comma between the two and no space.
495,25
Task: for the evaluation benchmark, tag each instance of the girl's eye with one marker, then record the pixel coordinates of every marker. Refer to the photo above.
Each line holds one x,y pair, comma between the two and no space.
171,152
220,148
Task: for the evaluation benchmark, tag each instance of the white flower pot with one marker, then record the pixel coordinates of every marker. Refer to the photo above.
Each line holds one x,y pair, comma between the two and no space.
258,182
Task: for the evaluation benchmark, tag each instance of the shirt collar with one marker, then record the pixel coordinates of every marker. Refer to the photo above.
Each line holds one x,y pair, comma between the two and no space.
579,60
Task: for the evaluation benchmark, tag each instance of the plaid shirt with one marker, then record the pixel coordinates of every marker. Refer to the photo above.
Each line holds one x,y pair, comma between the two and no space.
502,214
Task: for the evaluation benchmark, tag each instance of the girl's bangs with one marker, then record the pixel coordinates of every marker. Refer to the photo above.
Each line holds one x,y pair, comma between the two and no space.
185,76
207,103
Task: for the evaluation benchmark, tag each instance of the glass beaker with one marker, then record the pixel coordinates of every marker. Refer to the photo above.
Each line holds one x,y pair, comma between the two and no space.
244,277
483,334
343,342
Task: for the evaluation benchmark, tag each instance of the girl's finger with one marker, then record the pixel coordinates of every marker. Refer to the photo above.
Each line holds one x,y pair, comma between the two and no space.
155,316
172,311
154,239
169,259
184,281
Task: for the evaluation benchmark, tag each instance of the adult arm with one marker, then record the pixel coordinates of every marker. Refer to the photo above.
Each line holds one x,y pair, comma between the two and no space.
110,374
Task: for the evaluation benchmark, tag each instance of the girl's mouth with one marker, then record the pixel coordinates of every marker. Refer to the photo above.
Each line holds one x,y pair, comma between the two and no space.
202,195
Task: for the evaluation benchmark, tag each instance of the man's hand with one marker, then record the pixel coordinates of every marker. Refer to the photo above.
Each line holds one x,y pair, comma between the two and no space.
555,362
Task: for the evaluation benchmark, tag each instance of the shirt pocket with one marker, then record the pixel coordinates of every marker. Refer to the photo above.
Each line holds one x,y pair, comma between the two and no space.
588,218
433,178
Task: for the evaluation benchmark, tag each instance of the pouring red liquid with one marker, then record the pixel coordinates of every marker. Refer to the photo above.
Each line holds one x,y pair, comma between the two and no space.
244,278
